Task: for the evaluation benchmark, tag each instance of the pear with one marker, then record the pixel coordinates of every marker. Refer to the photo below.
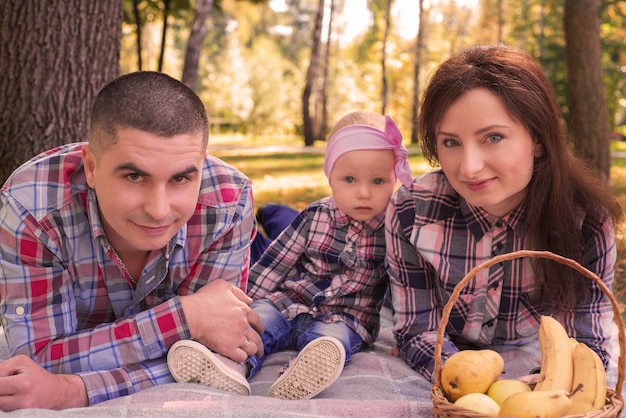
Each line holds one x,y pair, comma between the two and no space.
536,404
470,371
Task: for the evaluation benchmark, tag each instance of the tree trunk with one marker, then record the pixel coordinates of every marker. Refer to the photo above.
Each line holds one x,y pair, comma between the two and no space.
419,46
323,125
383,57
54,57
500,20
311,74
589,116
138,27
194,45
166,13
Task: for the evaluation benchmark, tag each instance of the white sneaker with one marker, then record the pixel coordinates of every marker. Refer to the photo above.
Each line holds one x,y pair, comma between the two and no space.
191,362
317,367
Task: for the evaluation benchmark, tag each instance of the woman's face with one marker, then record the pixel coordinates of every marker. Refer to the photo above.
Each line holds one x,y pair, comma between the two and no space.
486,155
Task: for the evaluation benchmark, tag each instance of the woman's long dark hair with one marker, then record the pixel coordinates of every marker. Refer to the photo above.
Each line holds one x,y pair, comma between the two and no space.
562,188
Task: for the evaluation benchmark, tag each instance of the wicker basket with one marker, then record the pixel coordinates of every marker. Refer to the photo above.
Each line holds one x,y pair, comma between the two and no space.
443,408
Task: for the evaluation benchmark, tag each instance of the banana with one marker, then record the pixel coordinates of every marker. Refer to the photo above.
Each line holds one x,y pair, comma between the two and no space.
589,382
557,366
542,404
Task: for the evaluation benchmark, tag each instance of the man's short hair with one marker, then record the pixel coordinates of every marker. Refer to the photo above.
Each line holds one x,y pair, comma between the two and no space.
149,101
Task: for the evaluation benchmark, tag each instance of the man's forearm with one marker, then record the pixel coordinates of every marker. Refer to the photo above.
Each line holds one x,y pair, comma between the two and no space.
110,384
74,394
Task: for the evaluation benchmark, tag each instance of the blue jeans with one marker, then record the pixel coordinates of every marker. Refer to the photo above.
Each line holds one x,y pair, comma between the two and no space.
282,334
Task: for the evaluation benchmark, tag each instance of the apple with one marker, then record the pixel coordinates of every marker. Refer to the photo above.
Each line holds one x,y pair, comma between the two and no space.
502,389
478,402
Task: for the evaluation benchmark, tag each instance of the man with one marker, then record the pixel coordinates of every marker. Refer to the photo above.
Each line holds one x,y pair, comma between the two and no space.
113,250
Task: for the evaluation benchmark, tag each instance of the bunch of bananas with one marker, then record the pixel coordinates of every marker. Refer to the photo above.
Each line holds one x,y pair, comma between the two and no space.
572,378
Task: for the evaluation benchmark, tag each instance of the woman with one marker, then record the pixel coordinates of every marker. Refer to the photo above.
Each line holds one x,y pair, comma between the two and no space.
507,182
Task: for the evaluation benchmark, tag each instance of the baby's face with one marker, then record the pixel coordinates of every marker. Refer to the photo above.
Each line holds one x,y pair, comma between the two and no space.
362,182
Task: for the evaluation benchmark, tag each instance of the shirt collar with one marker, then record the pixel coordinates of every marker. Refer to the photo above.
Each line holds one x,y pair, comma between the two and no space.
481,222
343,220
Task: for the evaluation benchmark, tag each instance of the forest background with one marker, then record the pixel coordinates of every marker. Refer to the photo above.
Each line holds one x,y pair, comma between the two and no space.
281,72
291,68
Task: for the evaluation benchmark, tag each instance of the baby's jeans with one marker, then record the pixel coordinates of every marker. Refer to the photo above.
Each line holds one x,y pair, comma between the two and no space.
281,334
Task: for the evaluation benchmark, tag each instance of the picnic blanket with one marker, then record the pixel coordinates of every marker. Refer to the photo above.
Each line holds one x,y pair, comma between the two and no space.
374,384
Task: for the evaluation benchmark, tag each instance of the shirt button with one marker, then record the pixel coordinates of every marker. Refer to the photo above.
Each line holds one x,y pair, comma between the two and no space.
314,309
499,224
19,310
329,293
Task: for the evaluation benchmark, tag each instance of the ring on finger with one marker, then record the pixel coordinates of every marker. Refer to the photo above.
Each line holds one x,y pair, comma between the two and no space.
245,344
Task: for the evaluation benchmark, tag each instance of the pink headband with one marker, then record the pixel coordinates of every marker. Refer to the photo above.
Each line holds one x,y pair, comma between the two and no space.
365,137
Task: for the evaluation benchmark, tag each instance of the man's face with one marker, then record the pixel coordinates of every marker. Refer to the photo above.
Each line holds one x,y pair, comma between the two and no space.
147,187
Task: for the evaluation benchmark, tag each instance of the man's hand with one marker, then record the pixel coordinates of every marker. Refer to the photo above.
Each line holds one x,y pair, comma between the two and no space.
219,317
25,384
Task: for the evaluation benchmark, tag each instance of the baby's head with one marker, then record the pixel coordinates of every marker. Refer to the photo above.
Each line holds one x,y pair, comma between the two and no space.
364,159
367,130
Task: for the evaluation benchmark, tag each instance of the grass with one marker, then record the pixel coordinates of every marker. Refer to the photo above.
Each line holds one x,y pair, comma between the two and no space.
292,179
296,179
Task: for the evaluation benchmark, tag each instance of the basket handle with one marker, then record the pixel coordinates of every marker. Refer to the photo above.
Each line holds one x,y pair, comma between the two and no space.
445,315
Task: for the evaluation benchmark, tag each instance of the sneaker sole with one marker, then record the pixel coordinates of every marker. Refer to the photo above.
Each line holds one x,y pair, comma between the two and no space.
191,362
316,368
